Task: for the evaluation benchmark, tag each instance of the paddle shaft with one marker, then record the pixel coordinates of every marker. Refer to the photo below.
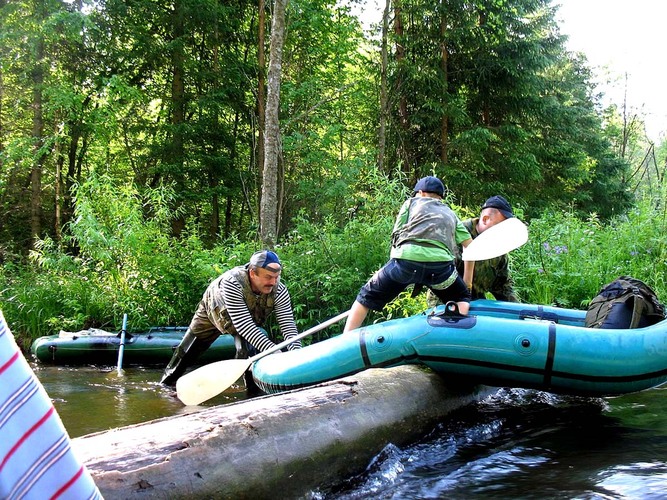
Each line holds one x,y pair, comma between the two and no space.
210,380
121,348
301,335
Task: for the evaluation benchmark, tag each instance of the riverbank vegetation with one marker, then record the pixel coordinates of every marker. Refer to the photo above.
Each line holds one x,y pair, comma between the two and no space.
127,264
132,162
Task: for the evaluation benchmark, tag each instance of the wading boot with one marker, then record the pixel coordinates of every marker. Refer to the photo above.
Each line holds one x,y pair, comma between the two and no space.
185,355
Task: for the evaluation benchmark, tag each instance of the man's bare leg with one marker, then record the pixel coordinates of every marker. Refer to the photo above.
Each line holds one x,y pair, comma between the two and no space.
357,316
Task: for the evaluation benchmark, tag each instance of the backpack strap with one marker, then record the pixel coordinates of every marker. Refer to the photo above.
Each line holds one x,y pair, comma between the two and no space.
638,307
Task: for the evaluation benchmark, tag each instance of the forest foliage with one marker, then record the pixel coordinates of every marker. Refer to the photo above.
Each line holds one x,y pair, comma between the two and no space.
131,166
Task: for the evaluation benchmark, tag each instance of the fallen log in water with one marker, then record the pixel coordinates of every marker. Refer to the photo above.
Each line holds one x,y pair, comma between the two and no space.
280,445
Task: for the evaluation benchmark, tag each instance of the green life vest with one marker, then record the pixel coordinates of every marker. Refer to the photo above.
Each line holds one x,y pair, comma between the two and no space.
429,223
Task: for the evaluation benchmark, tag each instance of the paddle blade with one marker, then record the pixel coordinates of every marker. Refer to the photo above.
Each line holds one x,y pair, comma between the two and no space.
498,240
210,380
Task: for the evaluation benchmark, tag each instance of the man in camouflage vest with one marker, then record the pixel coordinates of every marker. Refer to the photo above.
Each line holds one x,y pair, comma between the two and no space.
493,275
424,242
238,302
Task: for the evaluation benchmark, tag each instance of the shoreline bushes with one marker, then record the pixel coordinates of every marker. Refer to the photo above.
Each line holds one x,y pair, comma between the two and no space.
119,261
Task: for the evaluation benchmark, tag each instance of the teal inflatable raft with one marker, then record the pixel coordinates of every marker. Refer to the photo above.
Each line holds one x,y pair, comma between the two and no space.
99,347
500,344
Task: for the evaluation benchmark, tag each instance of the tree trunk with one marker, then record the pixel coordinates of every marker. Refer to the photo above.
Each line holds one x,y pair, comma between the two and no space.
214,181
268,214
384,100
486,105
261,89
3,191
279,446
75,158
404,119
176,156
214,223
37,135
58,183
2,99
444,59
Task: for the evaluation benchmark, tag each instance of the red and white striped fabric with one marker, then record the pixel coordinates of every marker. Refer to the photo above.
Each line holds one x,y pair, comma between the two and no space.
36,461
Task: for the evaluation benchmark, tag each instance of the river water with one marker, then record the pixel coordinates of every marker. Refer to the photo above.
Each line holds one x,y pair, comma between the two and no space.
513,444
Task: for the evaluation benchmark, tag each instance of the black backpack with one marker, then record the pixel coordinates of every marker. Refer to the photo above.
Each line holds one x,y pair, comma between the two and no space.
626,302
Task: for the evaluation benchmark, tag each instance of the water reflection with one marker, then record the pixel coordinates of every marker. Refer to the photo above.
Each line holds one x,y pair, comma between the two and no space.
92,399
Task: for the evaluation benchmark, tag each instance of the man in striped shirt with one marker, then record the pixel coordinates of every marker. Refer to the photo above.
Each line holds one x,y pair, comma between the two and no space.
238,302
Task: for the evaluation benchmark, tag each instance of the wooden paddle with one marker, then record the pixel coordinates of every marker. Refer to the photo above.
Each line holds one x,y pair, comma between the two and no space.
498,240
210,380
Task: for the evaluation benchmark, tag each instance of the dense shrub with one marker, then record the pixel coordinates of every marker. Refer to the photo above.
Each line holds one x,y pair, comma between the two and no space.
567,260
118,258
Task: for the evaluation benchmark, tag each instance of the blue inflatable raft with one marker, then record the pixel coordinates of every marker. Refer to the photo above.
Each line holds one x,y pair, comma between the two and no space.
500,344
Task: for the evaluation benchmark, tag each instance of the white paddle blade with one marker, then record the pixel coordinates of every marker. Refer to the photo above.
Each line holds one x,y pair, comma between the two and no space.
497,240
210,380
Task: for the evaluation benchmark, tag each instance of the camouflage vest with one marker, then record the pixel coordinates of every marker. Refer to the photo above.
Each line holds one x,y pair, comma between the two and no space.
428,219
260,305
487,272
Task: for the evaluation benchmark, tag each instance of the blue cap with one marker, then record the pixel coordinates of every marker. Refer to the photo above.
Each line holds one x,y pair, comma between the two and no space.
430,184
264,258
500,204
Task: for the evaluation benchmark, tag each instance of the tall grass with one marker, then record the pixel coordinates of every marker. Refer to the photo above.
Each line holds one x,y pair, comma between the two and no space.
567,260
119,259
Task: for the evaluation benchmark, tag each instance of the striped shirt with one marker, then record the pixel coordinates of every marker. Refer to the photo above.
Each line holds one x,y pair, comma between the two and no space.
232,294
36,460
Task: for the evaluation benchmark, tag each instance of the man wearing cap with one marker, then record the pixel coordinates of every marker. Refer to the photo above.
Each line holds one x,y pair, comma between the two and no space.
238,302
424,242
491,275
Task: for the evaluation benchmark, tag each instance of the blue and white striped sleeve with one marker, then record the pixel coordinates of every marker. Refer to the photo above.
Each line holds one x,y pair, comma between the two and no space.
241,317
285,316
